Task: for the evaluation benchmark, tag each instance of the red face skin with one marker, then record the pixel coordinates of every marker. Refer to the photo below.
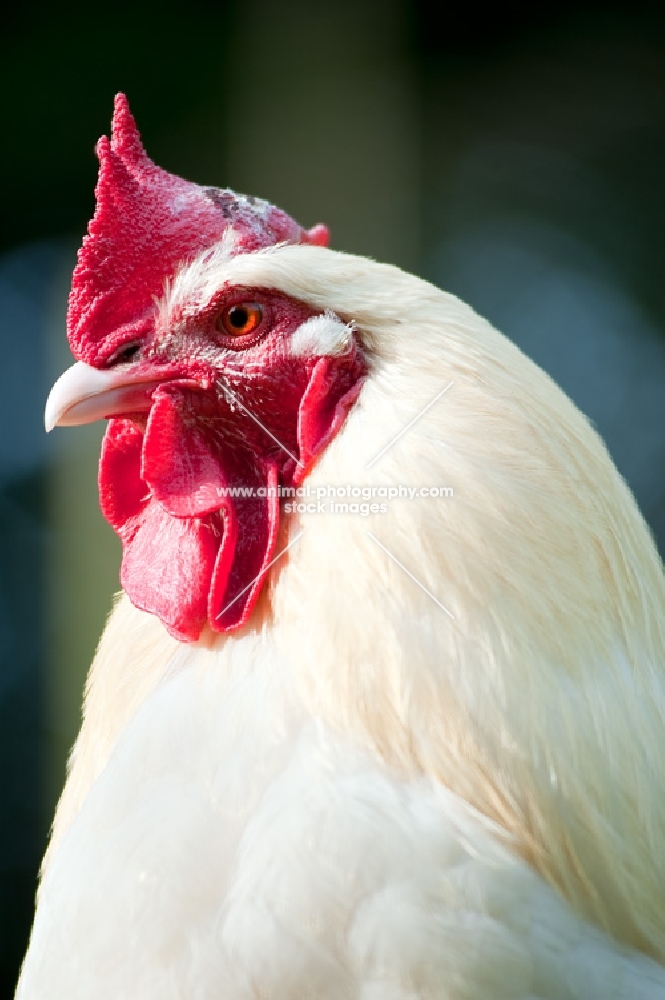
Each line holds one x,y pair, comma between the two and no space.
202,411
256,418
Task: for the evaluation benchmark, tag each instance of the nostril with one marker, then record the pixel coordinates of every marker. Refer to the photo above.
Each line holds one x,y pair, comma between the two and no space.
124,354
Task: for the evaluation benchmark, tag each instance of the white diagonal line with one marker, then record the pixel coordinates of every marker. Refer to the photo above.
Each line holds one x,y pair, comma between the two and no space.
256,420
260,573
405,429
415,580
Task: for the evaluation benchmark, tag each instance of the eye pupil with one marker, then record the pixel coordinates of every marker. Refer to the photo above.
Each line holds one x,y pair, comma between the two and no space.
240,319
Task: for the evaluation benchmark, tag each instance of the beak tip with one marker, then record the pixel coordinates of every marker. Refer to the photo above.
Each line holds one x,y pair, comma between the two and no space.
73,387
50,418
53,411
83,394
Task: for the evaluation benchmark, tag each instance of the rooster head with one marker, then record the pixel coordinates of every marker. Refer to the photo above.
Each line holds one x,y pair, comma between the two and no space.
217,395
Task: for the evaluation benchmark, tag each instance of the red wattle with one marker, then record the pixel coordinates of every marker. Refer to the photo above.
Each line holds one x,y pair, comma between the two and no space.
193,552
167,566
331,392
241,570
122,492
187,480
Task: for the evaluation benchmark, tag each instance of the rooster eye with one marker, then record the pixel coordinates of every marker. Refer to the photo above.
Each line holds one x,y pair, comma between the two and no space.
125,354
240,319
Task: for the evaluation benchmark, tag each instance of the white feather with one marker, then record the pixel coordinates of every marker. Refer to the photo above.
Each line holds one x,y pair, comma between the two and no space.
323,334
236,847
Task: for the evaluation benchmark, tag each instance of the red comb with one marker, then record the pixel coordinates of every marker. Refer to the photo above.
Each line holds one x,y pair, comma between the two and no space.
146,223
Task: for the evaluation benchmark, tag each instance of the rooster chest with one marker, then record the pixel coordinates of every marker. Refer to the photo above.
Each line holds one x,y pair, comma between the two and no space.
235,847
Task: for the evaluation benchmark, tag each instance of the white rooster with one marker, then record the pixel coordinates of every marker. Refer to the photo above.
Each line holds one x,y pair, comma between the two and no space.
413,754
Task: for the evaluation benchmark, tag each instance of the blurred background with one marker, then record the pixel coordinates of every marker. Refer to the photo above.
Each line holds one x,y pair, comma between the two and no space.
516,159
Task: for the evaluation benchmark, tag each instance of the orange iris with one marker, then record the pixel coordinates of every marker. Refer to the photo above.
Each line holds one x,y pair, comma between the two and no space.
240,319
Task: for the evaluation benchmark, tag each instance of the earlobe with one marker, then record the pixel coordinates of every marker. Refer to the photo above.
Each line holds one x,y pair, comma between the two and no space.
322,334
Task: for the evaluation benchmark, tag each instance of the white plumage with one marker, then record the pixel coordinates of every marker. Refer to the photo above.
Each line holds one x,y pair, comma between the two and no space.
358,795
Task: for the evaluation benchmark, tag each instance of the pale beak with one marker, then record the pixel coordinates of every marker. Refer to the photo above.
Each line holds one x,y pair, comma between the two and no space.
83,394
